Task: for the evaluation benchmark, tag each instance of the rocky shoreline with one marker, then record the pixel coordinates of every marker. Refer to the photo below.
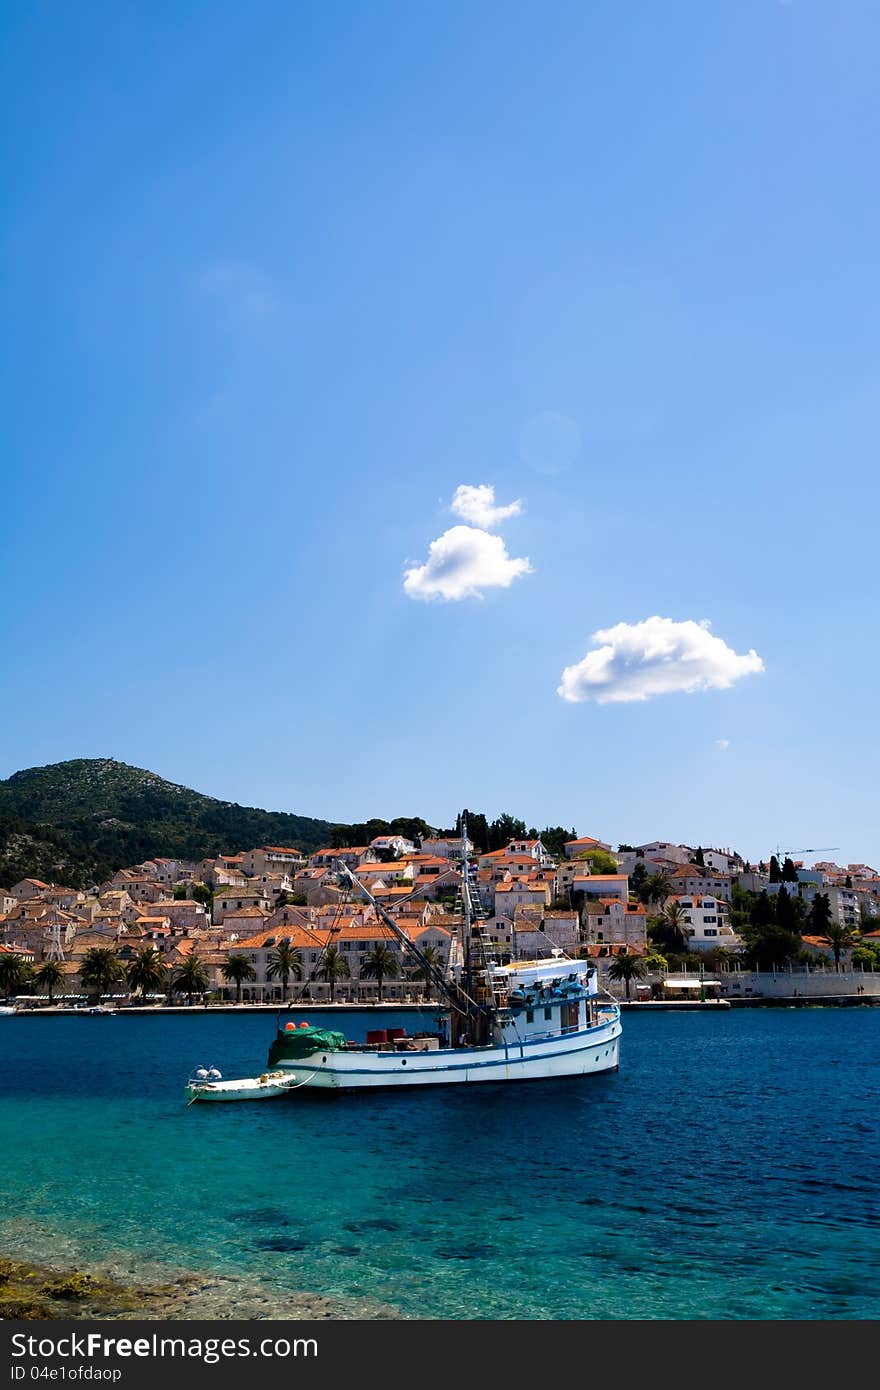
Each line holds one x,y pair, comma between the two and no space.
31,1292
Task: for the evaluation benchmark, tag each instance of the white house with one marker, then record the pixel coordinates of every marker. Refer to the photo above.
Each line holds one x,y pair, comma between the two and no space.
706,920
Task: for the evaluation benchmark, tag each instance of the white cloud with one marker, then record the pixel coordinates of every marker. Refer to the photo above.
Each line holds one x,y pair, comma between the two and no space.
477,505
722,744
634,661
461,563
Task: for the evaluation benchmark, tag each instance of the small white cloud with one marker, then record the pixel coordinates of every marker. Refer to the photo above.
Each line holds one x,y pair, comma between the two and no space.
461,563
722,744
634,661
477,505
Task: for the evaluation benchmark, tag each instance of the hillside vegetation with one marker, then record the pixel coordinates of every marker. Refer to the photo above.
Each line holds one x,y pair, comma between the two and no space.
77,822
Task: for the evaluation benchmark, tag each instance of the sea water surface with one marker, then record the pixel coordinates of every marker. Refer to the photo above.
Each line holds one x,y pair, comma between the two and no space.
728,1170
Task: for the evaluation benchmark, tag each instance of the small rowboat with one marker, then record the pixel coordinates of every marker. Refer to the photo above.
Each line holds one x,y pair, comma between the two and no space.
264,1087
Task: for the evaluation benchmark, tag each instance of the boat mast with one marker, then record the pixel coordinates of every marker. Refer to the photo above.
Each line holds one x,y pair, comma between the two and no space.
466,904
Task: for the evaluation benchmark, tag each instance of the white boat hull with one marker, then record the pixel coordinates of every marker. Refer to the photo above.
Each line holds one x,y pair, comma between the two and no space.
265,1087
585,1053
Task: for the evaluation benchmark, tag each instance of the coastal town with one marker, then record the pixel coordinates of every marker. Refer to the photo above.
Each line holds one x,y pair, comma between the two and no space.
271,924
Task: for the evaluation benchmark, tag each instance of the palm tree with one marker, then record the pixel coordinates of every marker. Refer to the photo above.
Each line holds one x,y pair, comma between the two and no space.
627,968
49,976
380,962
659,887
284,961
839,938
237,969
191,977
101,968
432,958
333,967
13,974
146,970
672,925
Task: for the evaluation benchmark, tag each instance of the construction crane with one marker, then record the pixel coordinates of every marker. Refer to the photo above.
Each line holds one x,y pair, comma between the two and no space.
787,853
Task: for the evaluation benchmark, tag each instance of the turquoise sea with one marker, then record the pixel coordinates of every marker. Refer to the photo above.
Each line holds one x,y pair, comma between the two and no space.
728,1170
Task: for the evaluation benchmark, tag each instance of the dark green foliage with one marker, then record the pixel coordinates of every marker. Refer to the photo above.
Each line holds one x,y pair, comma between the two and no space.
785,913
627,968
599,861
477,828
640,883
789,872
770,945
698,857
78,822
775,871
342,836
554,838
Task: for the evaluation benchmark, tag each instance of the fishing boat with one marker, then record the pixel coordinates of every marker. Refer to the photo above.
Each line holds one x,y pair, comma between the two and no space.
206,1083
510,1020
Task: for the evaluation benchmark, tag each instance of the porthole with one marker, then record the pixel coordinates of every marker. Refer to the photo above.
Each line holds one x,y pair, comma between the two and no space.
323,1059
403,1061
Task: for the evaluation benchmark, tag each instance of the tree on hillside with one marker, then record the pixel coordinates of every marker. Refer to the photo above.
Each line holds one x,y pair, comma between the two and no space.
49,977
819,918
839,938
236,970
554,838
101,968
670,929
627,968
478,829
785,912
775,874
191,977
769,946
504,829
284,961
13,974
434,959
659,887
639,883
147,970
380,963
333,967
789,872
699,858
599,860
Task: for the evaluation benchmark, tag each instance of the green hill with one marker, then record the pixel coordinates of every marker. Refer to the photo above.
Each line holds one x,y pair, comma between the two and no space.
77,822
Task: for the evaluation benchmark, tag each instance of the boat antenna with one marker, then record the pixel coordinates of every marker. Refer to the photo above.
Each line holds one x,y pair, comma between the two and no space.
466,905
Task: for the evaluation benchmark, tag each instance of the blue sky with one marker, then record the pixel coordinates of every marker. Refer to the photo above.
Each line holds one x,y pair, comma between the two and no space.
279,279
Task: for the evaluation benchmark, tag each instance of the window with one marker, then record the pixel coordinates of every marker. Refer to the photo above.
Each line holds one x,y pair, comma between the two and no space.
530,1015
711,931
548,1013
710,919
